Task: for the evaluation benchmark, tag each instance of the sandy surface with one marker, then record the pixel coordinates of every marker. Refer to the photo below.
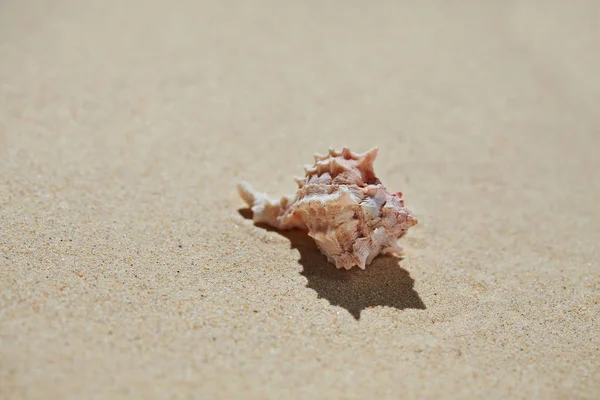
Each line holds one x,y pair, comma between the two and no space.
128,267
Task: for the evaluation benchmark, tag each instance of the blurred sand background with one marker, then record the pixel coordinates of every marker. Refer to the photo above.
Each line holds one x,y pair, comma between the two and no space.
129,269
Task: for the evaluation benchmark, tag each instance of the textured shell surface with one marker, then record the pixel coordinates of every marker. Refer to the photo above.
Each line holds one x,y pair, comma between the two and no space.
343,206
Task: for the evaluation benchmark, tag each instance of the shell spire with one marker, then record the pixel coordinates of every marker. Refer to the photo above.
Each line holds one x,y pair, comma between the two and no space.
343,206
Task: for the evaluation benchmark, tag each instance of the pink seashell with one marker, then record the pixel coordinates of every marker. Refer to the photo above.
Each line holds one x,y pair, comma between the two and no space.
343,206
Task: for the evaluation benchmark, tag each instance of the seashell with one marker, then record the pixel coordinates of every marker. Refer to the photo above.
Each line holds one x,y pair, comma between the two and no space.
343,206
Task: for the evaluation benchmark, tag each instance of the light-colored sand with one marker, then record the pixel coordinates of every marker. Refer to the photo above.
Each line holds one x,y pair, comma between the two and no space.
126,269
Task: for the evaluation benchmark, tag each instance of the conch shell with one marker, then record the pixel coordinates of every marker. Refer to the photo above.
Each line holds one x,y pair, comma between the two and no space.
343,206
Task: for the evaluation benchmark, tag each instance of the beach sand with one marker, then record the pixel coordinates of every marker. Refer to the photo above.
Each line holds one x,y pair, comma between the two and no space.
129,267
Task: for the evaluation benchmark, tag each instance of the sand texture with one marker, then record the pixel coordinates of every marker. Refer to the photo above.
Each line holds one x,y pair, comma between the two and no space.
130,268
